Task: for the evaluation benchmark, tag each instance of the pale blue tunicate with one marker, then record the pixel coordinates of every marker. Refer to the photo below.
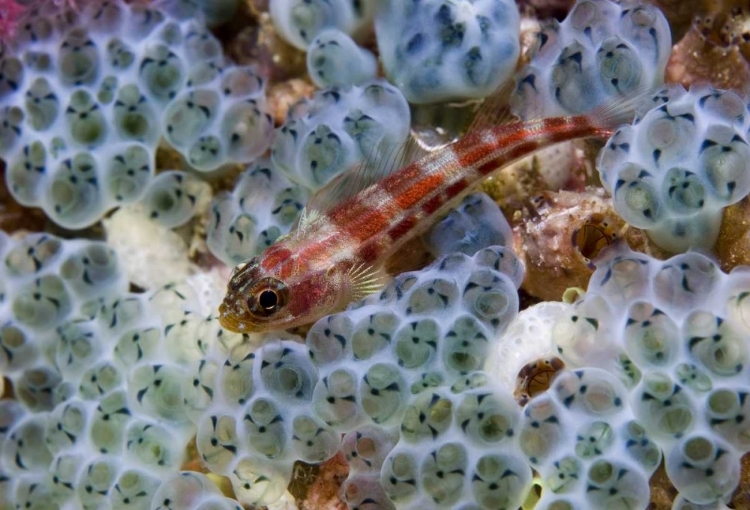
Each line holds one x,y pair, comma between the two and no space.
437,50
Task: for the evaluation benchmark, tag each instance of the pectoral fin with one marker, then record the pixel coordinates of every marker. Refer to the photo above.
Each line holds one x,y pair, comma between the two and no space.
364,279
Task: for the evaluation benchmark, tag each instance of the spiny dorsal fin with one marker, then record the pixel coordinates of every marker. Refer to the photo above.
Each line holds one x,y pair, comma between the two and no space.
384,159
495,110
307,218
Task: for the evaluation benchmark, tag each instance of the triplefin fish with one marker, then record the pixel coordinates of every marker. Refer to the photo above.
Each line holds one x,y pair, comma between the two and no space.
336,253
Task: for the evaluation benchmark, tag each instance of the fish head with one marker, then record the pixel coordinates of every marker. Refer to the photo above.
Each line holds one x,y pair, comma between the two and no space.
276,290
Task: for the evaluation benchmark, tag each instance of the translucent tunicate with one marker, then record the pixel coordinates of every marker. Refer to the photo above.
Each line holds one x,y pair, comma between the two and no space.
133,488
381,393
703,469
427,417
335,59
78,58
663,406
157,389
108,423
171,198
27,172
189,116
265,428
85,120
466,346
312,441
287,372
256,482
134,119
128,173
43,303
500,481
42,104
416,343
217,442
162,72
335,398
444,473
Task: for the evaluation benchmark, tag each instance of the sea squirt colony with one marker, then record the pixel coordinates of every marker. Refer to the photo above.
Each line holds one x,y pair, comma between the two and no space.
411,385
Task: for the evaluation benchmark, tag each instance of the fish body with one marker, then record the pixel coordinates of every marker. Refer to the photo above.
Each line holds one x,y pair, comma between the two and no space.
337,256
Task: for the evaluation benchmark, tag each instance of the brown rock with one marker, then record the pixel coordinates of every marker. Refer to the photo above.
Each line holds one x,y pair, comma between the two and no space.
322,490
14,216
697,59
733,244
284,95
559,235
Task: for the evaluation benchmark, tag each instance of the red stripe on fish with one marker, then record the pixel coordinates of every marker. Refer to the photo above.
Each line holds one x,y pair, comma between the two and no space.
274,256
433,204
456,188
369,252
414,192
402,228
367,224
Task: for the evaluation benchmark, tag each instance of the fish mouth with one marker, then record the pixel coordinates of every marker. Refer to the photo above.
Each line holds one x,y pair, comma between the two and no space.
229,320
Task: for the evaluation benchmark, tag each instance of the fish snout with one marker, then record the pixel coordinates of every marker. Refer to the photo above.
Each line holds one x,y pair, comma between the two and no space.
233,315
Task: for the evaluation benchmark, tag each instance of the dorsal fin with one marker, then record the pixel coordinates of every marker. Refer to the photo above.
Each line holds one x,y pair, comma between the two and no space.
384,159
495,110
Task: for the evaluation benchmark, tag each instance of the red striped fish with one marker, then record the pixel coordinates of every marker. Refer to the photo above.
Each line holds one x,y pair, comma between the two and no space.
337,252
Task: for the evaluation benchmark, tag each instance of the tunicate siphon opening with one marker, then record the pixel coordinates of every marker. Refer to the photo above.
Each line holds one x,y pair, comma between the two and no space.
288,380
402,465
163,201
12,337
698,450
491,304
601,397
601,472
560,505
676,420
367,448
494,428
723,402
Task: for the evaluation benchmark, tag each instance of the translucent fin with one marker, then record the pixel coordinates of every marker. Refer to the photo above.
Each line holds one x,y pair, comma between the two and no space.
435,126
307,218
366,279
495,110
619,110
382,161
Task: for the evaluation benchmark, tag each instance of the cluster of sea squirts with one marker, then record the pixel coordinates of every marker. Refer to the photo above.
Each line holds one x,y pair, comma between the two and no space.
111,385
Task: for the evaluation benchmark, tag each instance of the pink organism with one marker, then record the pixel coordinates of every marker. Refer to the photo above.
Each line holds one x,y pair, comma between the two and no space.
10,15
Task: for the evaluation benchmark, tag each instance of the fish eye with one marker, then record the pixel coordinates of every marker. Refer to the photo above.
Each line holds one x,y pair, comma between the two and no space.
267,297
